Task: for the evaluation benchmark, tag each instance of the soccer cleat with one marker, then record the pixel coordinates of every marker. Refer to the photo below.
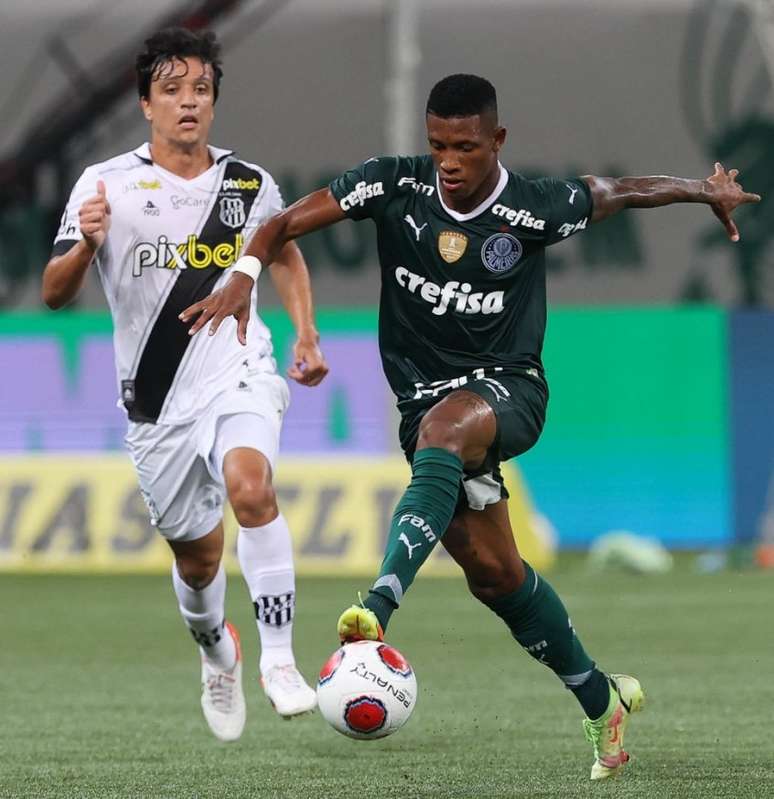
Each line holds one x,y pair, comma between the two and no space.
359,624
607,732
223,700
288,692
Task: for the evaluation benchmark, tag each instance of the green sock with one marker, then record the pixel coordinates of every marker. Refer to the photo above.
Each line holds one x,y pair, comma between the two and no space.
420,519
538,620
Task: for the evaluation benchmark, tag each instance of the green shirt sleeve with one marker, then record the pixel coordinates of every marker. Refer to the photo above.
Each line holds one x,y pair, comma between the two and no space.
365,191
567,206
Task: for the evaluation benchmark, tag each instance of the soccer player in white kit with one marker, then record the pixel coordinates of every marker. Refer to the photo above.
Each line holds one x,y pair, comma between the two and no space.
162,225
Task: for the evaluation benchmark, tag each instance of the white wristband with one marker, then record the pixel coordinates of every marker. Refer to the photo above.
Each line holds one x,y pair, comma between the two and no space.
248,265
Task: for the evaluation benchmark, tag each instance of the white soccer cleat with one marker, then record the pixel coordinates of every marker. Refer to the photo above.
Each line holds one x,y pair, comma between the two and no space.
223,700
288,692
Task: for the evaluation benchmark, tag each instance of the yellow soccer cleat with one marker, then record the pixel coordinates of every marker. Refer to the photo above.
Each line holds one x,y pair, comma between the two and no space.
359,624
607,732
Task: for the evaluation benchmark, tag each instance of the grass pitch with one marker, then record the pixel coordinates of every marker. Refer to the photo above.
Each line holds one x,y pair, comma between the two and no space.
99,695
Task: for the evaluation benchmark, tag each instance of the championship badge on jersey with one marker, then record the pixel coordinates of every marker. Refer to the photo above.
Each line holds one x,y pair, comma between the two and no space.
452,245
232,211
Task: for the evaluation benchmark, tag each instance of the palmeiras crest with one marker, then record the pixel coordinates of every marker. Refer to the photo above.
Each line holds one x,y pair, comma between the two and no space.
501,252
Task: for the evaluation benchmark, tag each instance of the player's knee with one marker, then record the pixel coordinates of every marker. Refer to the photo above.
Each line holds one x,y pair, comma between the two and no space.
254,502
198,571
492,580
439,432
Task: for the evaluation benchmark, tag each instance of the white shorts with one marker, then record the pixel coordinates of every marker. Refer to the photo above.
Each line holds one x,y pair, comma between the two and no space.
180,467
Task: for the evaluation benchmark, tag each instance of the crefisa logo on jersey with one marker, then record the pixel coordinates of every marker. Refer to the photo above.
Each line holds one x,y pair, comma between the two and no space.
232,211
501,252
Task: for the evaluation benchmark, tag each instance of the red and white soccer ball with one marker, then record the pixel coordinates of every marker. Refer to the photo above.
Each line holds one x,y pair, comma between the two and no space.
366,690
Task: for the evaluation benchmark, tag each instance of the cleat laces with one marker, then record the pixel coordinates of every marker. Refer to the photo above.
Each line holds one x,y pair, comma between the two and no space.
287,676
220,689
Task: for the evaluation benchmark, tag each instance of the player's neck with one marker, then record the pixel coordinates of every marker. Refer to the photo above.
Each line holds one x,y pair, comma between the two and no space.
186,163
464,205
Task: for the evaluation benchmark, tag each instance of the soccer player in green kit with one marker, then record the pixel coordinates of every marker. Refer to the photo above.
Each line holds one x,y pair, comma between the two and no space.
462,316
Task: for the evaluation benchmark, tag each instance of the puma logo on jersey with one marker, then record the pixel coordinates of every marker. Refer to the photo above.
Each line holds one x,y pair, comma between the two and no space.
363,191
573,191
411,547
417,230
441,297
419,188
164,254
521,217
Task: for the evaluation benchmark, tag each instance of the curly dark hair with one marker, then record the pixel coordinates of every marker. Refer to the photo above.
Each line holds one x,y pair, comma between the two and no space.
173,44
462,96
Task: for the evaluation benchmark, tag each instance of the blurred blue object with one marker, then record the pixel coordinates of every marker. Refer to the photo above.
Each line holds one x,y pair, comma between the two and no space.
711,562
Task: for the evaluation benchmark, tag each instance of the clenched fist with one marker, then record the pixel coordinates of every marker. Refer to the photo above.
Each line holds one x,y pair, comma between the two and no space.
94,218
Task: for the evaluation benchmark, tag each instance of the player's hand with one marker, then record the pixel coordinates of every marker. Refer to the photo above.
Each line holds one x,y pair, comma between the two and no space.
309,367
94,218
232,300
725,194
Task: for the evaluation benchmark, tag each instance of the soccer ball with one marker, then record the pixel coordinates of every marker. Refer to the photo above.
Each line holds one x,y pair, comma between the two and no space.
366,690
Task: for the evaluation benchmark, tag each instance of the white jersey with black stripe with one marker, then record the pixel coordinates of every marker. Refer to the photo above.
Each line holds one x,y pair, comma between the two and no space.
171,242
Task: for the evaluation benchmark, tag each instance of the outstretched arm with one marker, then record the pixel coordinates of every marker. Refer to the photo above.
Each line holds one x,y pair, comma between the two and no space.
317,210
720,191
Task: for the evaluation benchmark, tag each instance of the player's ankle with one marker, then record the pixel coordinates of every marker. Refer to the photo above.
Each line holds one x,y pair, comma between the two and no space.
383,607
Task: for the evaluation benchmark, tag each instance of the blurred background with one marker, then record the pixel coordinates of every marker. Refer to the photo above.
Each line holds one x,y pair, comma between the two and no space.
658,346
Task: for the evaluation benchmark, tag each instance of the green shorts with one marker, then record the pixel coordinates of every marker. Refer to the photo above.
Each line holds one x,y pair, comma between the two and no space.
519,404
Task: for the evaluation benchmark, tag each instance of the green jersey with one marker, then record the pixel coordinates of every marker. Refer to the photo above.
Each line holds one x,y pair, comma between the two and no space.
463,295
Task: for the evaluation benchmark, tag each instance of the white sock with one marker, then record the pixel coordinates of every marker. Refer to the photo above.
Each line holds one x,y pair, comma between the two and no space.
204,613
266,557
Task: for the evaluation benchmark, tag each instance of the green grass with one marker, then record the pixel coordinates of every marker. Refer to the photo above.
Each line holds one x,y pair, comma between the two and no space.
99,695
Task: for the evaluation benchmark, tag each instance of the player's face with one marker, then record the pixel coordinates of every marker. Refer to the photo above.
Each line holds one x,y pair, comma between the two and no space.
181,105
465,151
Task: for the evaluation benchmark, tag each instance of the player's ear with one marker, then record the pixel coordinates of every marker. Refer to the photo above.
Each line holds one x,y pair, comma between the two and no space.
499,138
146,109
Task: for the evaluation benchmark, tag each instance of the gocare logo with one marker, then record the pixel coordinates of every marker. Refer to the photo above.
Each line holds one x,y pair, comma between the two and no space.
363,191
521,217
164,254
464,299
179,201
567,229
240,184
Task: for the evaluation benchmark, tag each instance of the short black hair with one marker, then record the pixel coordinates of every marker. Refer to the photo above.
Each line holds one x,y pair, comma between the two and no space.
172,44
462,96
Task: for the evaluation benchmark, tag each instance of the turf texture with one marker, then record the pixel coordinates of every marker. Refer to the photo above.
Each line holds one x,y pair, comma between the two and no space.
99,695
